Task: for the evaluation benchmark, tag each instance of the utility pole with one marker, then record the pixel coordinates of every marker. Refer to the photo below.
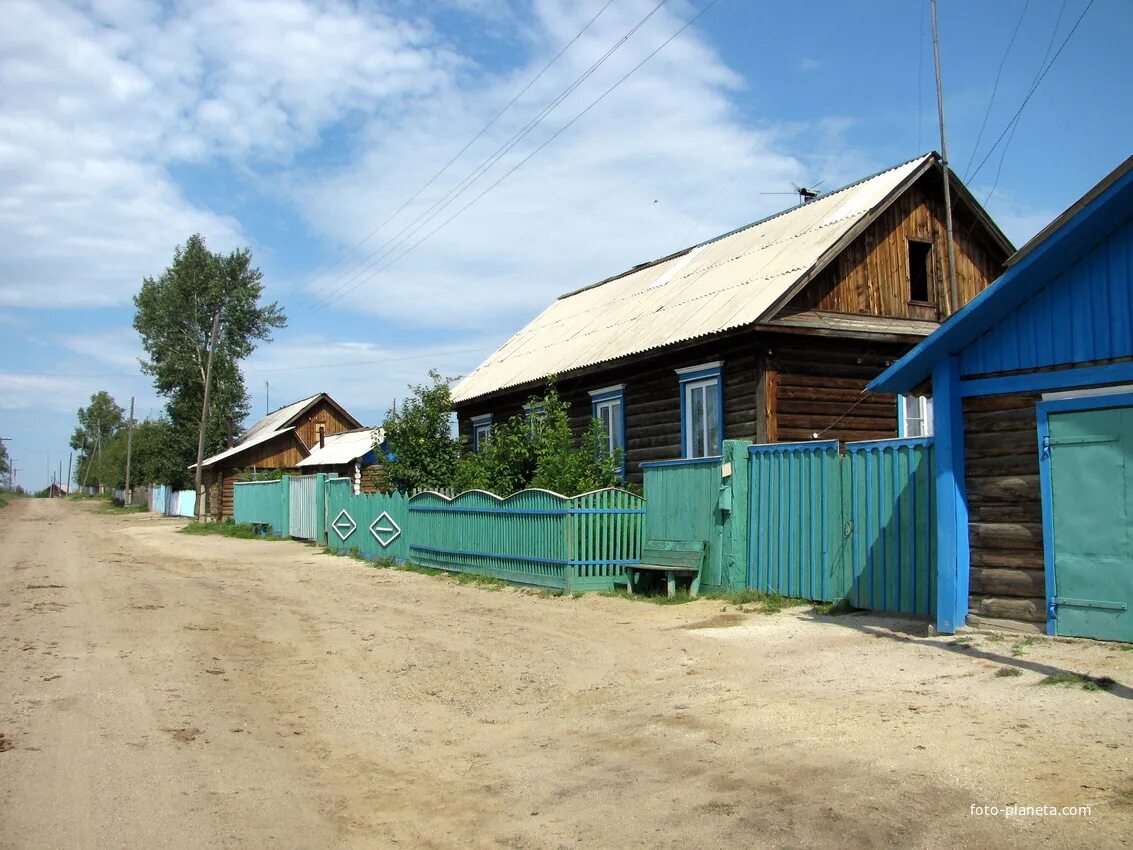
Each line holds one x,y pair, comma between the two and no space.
953,293
129,451
205,416
267,397
59,480
70,457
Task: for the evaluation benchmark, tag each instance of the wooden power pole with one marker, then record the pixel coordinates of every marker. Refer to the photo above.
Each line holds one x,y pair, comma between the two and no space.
953,293
129,452
205,416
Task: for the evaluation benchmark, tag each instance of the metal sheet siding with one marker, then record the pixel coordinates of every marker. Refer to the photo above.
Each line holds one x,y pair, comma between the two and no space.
1084,314
723,284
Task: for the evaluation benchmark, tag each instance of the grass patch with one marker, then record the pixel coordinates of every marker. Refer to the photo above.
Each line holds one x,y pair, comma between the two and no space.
1008,672
111,508
242,531
963,642
655,598
764,603
1086,682
995,638
1019,648
838,608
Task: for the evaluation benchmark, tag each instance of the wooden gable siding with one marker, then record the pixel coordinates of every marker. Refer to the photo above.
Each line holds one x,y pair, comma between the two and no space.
321,413
776,388
872,275
1004,508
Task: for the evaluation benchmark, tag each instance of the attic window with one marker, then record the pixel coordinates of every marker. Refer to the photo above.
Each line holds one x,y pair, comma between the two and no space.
920,271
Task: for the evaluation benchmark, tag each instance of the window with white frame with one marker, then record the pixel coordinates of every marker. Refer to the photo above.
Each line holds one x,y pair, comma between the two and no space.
608,407
914,416
481,430
702,409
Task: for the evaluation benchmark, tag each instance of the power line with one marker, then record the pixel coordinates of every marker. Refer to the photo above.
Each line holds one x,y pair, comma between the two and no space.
533,153
995,86
395,242
467,144
1033,89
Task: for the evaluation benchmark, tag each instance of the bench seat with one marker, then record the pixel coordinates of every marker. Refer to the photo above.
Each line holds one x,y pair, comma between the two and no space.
672,557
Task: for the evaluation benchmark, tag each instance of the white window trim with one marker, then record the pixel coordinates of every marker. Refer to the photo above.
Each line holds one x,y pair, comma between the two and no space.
479,423
713,382
715,364
925,411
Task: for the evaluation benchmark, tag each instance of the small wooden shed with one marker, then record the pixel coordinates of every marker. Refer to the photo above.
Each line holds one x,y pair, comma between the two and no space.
1032,385
278,441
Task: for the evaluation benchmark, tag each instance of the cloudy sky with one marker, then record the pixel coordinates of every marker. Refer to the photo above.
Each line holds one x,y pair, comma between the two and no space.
418,179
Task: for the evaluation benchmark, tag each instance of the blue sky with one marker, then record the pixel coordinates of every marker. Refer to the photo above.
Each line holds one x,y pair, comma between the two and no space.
298,127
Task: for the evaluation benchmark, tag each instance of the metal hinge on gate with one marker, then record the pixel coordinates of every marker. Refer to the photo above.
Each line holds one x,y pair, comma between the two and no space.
1048,443
1099,604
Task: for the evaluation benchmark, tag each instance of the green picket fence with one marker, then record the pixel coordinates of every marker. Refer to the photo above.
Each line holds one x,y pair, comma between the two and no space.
372,525
682,503
533,537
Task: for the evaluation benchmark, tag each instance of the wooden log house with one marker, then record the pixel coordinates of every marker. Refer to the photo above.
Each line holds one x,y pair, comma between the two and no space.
1033,390
770,332
281,440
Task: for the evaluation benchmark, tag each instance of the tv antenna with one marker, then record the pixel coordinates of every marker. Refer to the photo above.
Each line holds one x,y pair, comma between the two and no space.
806,193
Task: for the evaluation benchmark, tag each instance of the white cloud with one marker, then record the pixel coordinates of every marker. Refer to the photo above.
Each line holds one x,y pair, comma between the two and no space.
97,105
660,163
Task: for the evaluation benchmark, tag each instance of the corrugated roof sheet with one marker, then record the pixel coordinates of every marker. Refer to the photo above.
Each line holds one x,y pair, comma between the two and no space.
343,448
262,437
270,426
725,283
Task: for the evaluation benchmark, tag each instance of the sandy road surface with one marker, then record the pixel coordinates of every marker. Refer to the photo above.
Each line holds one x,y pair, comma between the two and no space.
160,690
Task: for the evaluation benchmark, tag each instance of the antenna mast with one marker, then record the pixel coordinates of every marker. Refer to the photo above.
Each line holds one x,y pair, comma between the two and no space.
953,294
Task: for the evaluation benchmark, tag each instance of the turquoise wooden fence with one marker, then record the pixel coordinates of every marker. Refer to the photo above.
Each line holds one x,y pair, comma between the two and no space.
371,525
859,525
682,503
533,537
263,501
892,525
795,530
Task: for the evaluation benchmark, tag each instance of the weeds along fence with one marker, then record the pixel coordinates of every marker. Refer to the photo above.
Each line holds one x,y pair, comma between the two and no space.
534,537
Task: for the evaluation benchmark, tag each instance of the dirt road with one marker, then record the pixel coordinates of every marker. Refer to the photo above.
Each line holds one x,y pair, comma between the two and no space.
163,690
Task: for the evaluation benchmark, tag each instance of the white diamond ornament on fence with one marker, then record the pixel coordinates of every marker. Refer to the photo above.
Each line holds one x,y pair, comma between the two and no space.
344,525
385,530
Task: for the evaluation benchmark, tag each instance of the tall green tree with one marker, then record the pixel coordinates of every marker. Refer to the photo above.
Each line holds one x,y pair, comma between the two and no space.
93,438
175,315
5,465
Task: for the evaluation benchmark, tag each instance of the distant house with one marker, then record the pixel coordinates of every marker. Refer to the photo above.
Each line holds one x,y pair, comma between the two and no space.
1033,392
350,454
281,440
769,332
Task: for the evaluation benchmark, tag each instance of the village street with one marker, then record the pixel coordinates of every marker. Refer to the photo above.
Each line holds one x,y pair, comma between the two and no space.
166,690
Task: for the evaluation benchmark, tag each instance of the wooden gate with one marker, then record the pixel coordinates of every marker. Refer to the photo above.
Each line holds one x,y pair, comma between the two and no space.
303,507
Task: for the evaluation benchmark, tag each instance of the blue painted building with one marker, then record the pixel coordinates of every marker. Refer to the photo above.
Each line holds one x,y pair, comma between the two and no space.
1032,386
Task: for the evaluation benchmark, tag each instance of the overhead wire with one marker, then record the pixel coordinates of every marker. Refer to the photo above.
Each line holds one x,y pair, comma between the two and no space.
995,86
534,152
447,198
466,145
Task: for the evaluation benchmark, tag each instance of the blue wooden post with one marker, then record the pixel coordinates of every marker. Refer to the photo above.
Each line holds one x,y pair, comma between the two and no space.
953,564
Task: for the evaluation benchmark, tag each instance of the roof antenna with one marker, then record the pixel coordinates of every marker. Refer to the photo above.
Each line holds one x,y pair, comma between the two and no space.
806,193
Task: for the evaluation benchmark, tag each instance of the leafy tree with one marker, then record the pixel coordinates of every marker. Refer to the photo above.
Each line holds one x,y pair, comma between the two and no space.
175,315
421,439
539,449
5,464
99,422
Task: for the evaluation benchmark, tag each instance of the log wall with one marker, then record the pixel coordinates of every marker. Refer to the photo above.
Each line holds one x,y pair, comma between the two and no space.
1004,508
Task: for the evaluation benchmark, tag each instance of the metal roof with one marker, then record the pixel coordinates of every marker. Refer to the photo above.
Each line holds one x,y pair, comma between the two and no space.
261,437
346,447
737,279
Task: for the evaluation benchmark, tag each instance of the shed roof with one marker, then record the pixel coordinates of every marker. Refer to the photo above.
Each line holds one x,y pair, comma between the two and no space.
274,424
346,447
734,280
1086,222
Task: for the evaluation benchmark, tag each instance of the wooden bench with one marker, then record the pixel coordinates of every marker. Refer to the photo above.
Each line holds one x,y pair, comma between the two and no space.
261,528
672,557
